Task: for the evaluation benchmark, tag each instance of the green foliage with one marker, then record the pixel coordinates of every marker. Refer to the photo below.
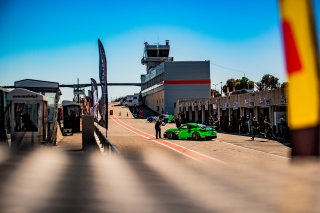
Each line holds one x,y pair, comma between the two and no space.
215,93
269,82
230,84
244,83
238,84
284,85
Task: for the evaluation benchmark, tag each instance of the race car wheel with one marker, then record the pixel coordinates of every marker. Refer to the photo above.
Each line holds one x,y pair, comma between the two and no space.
169,135
195,136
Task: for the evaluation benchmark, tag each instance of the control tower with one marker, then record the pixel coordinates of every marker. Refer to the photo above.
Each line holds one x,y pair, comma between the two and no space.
155,54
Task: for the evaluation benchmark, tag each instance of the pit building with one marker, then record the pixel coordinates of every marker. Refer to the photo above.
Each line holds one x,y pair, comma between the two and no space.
167,80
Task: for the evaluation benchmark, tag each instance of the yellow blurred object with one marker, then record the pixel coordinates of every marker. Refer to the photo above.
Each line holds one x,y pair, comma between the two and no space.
301,60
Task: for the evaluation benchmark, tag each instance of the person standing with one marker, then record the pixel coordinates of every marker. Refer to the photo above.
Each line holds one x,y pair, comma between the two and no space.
158,127
268,129
178,121
211,121
255,127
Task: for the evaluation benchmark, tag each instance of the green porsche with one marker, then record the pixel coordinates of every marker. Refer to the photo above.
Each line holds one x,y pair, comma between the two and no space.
191,131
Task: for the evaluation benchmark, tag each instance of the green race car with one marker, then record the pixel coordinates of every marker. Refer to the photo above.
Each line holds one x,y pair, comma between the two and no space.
191,131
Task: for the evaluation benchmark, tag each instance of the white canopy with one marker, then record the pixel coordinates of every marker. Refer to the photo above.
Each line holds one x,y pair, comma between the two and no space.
25,95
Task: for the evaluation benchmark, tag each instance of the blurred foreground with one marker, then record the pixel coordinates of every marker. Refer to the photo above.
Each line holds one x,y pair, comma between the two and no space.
51,179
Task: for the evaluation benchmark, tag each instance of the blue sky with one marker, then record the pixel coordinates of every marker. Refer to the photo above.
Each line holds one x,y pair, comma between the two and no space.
57,40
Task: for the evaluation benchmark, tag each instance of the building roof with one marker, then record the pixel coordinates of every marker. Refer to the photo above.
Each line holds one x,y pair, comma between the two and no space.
25,95
38,85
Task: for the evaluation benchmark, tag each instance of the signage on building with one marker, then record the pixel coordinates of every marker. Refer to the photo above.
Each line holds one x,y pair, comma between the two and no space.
79,92
25,95
214,106
206,106
224,106
262,100
268,101
235,106
283,99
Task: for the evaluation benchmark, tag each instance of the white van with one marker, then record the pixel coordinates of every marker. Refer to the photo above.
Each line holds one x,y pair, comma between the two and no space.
132,100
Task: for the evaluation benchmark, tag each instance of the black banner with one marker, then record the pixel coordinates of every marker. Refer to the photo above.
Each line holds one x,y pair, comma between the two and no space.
104,88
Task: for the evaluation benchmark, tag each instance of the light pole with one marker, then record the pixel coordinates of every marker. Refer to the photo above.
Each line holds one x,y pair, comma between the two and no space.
215,87
221,87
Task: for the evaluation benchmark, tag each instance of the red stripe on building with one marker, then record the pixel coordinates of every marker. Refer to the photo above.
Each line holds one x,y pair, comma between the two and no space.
187,82
293,61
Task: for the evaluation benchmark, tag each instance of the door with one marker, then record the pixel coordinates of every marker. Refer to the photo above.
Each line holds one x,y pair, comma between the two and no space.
183,132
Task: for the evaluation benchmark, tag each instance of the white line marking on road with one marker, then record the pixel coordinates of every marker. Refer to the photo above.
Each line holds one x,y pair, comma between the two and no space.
231,144
121,123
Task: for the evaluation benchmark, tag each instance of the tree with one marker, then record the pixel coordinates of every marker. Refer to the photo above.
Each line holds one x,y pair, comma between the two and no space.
238,84
244,83
269,82
284,85
215,93
229,86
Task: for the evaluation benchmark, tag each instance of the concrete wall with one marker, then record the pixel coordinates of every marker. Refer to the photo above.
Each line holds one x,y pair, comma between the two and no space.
189,71
155,101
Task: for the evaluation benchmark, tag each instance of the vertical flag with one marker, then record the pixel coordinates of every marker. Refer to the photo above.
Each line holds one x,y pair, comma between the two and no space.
94,90
103,82
300,47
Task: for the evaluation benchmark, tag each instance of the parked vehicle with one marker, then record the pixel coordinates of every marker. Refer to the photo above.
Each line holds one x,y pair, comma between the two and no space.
165,118
152,118
171,118
191,131
131,100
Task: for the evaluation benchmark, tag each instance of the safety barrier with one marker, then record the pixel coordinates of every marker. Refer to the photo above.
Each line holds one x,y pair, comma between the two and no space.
104,141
